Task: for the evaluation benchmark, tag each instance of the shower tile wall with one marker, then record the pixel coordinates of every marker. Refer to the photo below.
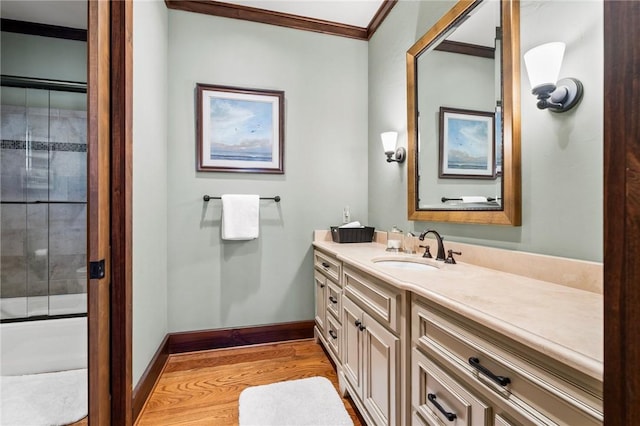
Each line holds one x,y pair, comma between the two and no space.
42,245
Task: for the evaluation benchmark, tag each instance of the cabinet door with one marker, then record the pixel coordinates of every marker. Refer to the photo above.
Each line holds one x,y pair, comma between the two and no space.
321,294
352,344
381,377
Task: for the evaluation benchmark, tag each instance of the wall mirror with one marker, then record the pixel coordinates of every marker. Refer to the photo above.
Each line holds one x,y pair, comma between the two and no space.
463,104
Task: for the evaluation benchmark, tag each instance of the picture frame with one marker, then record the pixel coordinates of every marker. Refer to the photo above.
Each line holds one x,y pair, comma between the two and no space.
467,144
239,129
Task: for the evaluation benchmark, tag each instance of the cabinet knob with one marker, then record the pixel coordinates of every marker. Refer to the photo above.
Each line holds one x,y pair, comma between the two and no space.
449,415
357,323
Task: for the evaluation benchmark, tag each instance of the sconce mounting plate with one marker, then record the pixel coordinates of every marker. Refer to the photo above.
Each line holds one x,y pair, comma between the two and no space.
568,93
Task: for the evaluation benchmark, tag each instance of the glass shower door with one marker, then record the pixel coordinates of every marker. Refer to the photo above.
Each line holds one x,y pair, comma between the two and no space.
43,203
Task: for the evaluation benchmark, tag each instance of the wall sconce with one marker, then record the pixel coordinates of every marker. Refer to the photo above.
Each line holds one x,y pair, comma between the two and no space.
389,140
543,66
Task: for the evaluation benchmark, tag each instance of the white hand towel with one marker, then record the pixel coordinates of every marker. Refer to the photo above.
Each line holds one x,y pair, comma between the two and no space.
474,199
240,216
355,224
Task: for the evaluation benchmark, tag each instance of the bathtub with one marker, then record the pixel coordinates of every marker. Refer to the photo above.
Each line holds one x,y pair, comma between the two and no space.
43,346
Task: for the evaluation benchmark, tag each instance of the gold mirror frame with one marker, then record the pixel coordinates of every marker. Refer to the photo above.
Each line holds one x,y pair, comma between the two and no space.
511,185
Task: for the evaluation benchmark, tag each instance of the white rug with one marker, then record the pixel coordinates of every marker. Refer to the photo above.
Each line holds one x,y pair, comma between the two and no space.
312,401
44,399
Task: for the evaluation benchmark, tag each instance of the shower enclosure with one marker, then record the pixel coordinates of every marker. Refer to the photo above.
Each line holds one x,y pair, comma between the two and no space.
43,181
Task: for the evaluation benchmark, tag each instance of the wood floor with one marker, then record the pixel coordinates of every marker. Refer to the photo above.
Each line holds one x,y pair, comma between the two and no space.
202,388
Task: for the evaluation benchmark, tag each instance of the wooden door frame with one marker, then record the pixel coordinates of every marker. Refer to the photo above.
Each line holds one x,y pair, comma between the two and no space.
121,210
621,212
621,219
98,210
110,138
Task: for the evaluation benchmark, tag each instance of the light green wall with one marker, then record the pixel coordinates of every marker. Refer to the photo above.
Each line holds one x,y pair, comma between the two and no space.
150,104
562,159
43,57
216,284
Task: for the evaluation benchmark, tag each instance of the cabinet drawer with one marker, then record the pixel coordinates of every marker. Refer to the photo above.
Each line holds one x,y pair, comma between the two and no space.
416,420
328,264
380,300
334,299
440,399
530,383
499,420
334,336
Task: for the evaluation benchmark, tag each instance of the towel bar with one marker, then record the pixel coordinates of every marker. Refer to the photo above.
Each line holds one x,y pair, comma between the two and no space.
276,198
445,199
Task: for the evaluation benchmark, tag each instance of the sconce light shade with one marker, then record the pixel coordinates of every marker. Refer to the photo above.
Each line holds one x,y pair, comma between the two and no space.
389,140
543,63
543,67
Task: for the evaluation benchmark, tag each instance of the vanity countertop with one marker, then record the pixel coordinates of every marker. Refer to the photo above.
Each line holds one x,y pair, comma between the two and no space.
562,322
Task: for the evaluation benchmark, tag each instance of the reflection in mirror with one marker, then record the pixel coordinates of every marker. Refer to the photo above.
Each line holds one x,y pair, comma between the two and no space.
463,166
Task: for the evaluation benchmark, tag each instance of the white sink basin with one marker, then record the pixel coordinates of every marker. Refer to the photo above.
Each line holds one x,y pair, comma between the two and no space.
405,264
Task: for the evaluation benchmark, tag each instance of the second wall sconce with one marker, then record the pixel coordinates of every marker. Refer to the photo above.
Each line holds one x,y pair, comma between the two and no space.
389,140
543,67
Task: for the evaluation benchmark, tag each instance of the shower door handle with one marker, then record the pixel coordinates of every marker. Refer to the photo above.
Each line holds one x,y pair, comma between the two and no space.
96,270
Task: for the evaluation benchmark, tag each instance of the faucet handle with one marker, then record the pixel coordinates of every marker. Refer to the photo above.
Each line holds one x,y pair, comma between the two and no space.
450,258
427,253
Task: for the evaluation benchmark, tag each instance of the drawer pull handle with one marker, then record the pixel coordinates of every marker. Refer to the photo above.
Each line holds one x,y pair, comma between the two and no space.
326,265
357,323
333,300
449,415
333,334
501,380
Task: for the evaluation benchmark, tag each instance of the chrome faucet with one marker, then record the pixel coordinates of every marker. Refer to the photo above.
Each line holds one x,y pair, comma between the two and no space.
440,255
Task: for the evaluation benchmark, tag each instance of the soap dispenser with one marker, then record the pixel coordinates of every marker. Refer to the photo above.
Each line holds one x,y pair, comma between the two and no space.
394,239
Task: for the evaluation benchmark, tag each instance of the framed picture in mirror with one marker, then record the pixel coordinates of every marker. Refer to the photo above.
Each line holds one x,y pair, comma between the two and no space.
467,144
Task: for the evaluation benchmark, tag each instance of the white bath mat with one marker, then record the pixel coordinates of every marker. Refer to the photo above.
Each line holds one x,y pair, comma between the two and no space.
312,401
43,399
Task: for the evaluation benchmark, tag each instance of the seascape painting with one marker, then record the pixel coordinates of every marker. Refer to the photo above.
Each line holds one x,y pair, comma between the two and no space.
240,130
467,147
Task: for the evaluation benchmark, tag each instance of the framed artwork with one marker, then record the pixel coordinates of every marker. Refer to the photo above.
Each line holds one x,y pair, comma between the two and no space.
239,130
467,147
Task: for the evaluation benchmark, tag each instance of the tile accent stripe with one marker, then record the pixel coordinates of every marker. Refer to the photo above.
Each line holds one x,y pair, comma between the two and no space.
44,146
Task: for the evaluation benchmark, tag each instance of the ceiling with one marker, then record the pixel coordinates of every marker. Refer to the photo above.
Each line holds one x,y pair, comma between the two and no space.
73,13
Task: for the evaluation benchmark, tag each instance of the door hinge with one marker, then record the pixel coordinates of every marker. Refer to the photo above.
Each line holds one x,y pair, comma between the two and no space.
96,269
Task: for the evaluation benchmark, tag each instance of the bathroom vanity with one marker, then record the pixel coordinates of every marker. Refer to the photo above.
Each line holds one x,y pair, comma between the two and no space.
421,342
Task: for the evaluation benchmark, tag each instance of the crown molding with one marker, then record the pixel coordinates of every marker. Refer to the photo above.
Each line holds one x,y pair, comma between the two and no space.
235,11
